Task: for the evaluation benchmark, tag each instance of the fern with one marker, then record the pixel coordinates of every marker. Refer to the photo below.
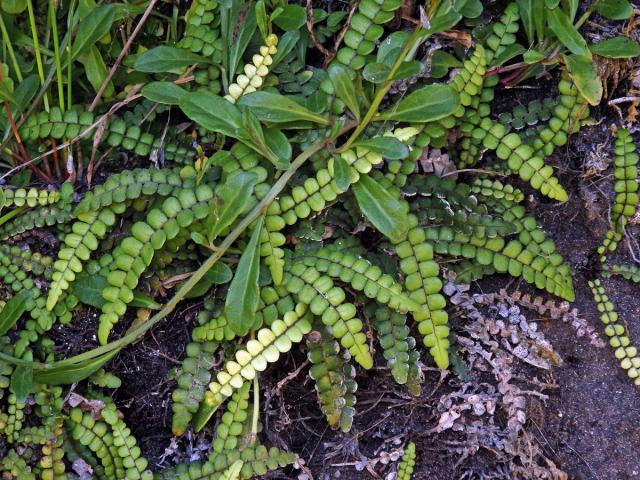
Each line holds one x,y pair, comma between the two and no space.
626,188
255,71
630,272
193,378
421,280
334,379
22,197
407,463
625,352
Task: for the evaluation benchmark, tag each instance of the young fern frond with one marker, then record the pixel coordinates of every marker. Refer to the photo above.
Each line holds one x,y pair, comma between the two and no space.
422,281
496,189
258,353
334,378
327,301
625,352
407,463
15,465
134,464
85,234
254,72
137,251
193,378
626,187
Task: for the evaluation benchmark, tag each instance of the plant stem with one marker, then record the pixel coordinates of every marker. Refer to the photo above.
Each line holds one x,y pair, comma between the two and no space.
69,52
7,41
256,411
56,53
36,47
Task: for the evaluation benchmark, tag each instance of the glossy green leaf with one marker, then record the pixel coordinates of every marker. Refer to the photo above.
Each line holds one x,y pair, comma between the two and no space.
342,172
391,47
387,146
92,28
441,62
561,25
472,9
507,53
375,72
13,309
292,18
233,472
286,44
261,18
344,87
231,200
275,108
618,47
240,29
71,373
219,274
167,93
279,146
243,295
96,70
21,382
584,74
614,9
213,113
408,69
165,59
426,104
383,210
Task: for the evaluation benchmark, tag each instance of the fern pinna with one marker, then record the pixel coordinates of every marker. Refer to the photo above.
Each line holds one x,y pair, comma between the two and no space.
283,195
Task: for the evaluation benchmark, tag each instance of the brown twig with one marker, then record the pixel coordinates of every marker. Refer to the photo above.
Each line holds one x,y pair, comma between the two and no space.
326,53
122,54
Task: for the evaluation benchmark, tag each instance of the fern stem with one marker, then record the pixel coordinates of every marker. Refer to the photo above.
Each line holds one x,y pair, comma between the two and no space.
56,53
36,47
256,410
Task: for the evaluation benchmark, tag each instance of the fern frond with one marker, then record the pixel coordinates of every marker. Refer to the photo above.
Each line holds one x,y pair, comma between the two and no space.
626,187
630,272
394,338
22,197
193,377
86,231
37,218
258,353
625,351
407,463
229,429
327,301
422,281
334,379
137,251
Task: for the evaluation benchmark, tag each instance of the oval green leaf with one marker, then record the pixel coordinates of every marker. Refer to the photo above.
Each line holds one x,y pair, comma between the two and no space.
387,146
275,108
213,113
164,59
385,212
560,24
618,47
342,172
345,88
167,93
21,382
92,28
13,310
614,9
427,104
583,72
244,294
